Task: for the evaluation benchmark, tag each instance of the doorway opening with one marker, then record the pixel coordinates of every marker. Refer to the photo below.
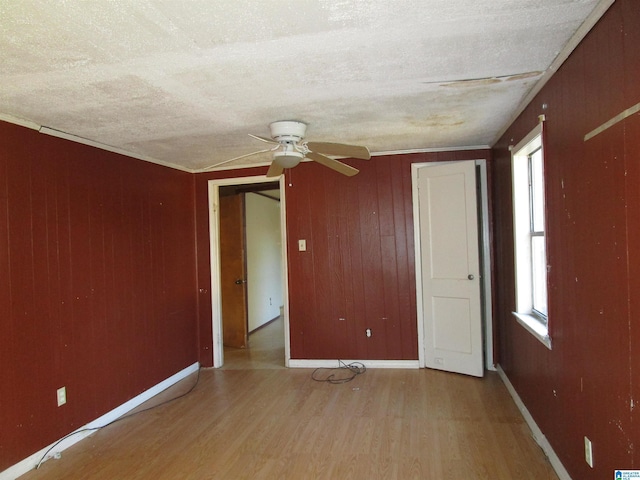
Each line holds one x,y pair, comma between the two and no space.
248,269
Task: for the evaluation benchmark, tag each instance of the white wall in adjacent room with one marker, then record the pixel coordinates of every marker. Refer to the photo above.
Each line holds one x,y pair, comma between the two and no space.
264,259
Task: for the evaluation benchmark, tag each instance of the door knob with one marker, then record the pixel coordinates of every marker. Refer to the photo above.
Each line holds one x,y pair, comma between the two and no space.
240,281
470,276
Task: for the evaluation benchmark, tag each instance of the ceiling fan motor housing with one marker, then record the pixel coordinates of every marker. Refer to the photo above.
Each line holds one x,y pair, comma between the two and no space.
288,130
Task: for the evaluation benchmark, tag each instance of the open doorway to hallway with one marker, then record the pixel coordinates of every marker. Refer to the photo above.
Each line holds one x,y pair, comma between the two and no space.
248,295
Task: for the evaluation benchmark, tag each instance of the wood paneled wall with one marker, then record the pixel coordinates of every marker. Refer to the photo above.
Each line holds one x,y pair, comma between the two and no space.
97,284
588,384
359,263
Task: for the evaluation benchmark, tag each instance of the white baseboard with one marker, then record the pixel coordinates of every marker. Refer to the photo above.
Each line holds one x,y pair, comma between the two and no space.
32,461
535,430
297,363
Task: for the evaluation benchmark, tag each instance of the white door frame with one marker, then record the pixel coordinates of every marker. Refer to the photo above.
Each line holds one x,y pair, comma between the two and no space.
214,249
486,261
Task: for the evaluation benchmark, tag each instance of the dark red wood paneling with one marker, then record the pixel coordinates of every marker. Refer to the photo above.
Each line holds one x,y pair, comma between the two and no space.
585,385
97,284
7,401
631,16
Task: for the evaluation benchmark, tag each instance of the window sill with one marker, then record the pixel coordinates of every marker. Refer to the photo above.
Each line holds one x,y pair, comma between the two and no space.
534,327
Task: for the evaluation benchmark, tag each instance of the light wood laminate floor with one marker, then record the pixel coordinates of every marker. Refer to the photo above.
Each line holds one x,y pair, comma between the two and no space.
270,422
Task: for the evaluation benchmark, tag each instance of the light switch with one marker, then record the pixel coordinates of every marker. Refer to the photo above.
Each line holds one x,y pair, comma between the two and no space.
302,245
61,393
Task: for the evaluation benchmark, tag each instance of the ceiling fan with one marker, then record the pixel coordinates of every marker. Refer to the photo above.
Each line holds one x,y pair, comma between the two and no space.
289,150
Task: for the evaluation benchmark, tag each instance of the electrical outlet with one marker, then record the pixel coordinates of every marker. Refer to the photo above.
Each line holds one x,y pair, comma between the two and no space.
62,396
588,452
302,245
368,332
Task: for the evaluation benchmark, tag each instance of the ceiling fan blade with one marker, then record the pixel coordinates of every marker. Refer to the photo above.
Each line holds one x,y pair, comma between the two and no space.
262,139
340,149
236,158
340,167
275,170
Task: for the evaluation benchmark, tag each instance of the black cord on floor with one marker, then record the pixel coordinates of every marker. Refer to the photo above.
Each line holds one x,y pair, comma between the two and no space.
355,369
93,429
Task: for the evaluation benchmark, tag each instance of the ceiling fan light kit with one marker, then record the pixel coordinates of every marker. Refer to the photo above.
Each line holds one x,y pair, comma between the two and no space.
290,150
288,157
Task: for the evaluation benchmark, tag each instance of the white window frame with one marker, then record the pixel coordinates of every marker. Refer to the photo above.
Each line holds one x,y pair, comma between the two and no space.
524,314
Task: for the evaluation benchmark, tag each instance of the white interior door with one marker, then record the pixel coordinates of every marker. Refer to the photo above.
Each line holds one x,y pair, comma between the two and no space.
450,264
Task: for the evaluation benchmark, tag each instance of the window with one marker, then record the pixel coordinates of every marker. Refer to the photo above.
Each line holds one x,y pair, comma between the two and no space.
529,235
536,231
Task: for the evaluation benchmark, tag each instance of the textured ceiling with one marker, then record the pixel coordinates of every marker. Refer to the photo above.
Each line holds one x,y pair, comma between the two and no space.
183,82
